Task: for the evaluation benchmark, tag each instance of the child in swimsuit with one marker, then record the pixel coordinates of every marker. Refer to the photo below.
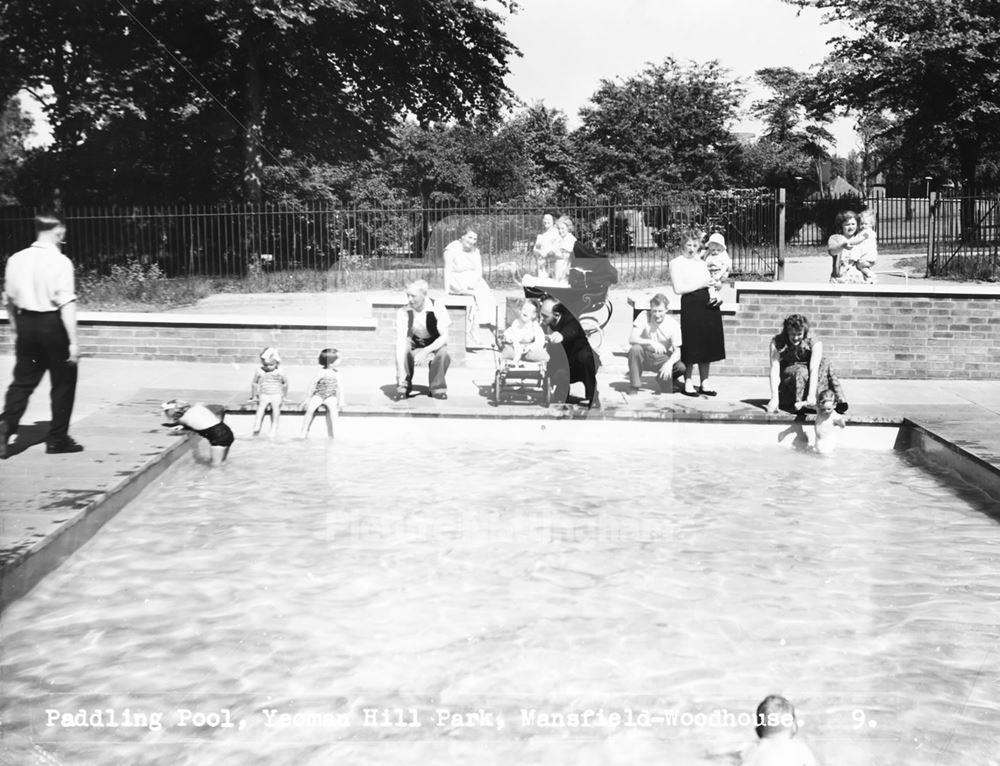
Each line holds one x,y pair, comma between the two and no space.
269,388
827,420
326,389
204,420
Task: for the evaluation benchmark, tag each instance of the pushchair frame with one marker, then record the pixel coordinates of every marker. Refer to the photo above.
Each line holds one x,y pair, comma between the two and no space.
517,376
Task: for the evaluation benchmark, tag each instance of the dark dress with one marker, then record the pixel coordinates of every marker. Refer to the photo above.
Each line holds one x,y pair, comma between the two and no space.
573,360
793,362
701,329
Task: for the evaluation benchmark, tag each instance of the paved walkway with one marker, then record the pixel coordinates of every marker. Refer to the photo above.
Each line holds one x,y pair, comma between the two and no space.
51,504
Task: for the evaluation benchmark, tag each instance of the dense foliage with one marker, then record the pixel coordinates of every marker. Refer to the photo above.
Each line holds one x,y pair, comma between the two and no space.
191,101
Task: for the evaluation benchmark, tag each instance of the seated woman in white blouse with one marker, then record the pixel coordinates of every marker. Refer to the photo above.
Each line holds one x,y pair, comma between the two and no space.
463,275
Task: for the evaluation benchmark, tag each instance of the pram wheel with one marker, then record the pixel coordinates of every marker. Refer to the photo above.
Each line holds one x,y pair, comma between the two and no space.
592,329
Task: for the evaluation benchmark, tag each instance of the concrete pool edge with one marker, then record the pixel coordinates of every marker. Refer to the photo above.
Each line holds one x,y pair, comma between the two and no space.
940,452
23,566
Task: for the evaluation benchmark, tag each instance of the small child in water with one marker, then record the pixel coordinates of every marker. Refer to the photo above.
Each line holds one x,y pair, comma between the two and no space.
719,265
204,420
269,388
827,419
326,389
524,339
776,730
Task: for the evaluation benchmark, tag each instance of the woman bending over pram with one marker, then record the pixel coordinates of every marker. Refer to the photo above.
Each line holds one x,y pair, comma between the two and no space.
524,339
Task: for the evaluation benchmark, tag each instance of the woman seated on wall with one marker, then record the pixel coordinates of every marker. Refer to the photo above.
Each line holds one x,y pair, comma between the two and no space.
463,275
799,370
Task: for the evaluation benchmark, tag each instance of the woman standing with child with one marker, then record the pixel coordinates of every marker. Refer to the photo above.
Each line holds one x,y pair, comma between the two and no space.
701,320
845,238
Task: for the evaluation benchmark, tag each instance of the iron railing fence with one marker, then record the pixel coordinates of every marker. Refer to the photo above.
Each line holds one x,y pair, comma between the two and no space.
235,241
899,221
965,237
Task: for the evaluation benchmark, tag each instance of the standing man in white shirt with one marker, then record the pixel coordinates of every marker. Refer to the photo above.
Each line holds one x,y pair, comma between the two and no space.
421,338
40,300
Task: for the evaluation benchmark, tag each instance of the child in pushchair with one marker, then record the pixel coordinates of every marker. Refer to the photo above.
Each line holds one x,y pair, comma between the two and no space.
521,356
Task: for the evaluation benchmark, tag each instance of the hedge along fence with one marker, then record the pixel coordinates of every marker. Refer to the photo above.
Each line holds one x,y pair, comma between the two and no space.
228,241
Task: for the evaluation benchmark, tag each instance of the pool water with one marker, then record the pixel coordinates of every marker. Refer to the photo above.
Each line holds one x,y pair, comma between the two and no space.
307,602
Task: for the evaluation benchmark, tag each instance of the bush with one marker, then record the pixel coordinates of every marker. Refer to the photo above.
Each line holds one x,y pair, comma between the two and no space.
135,285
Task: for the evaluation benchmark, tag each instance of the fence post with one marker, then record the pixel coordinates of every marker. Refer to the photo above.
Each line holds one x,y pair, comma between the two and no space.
780,271
931,220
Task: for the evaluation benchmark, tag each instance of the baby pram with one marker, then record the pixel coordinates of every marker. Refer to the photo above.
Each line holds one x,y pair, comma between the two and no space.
517,376
591,276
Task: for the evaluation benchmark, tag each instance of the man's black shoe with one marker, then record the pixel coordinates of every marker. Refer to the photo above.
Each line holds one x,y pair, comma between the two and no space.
62,446
4,436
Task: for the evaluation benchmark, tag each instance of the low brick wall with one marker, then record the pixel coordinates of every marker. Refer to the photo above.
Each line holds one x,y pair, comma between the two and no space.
227,339
912,332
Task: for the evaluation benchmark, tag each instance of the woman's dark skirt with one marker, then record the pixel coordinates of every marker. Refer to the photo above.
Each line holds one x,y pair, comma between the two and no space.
702,340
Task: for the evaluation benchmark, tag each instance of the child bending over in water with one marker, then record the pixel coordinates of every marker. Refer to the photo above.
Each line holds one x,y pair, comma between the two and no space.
326,389
776,729
827,419
269,388
524,340
204,420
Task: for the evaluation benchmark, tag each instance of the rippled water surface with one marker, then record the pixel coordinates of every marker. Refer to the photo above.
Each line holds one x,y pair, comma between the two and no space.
323,597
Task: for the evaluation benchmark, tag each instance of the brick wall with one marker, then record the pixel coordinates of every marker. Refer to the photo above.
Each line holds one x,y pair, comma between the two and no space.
189,338
873,332
868,332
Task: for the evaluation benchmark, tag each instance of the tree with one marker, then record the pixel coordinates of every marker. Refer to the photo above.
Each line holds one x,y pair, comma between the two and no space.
15,127
934,67
556,171
802,141
249,81
666,127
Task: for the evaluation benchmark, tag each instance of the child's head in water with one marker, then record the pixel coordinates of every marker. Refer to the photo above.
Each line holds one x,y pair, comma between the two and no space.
328,357
776,718
826,401
270,359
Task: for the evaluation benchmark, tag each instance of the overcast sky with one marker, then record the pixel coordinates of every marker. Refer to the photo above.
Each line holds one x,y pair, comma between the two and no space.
569,46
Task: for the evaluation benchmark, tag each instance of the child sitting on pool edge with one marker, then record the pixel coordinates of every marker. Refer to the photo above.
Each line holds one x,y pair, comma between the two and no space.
269,388
204,420
776,729
326,389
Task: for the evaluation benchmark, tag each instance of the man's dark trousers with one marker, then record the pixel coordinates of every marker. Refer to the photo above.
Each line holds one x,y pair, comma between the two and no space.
42,344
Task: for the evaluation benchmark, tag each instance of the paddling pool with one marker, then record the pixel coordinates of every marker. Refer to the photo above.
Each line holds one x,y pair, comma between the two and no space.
497,592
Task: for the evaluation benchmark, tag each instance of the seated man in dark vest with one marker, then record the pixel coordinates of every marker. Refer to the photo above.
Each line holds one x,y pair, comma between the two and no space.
421,338
571,358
